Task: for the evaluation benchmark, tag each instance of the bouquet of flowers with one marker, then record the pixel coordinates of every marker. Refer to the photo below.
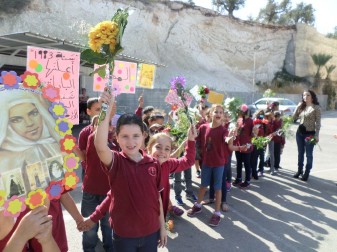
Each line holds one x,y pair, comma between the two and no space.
203,91
260,142
105,42
178,85
232,104
312,140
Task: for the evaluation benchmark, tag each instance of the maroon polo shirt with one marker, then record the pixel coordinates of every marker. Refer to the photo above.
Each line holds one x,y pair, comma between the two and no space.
245,135
174,165
83,140
212,142
95,180
135,188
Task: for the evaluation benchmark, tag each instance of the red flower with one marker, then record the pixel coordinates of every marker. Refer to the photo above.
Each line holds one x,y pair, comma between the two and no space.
30,80
206,90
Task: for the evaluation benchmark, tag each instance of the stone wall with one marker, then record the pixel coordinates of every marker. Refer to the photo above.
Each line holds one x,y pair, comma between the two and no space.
195,42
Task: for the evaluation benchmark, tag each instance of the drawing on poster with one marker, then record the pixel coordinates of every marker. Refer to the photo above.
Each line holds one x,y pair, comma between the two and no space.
13,183
55,168
37,176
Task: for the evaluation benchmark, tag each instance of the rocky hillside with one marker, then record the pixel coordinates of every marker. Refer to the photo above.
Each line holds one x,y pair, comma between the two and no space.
192,41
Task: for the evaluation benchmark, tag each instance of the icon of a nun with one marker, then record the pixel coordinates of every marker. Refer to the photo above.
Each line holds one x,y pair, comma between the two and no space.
27,132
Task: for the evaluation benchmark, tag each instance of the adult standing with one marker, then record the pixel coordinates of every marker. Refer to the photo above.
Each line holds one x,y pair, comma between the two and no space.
309,112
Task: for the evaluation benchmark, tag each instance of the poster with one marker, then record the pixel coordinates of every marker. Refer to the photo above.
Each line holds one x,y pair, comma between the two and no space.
124,78
146,75
215,98
60,69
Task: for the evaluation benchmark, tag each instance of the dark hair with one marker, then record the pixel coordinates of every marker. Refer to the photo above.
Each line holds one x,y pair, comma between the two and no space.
314,99
128,119
148,109
59,166
91,101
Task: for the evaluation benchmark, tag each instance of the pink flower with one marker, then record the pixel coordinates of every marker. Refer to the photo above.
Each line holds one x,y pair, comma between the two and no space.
244,107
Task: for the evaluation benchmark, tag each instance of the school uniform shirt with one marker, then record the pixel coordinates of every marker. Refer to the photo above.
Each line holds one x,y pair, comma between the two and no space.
95,180
83,140
245,135
101,209
58,230
135,188
276,126
174,165
214,148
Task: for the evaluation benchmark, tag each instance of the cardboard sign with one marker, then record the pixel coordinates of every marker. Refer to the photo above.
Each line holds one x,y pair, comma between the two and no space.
215,98
60,69
146,75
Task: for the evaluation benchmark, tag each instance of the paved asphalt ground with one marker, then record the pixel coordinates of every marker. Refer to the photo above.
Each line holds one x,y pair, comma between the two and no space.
277,213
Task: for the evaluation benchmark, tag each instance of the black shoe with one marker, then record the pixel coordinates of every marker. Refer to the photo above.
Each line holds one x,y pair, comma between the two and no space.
297,174
305,176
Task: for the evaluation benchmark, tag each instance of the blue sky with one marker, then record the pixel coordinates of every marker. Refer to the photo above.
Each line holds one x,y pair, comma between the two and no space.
325,14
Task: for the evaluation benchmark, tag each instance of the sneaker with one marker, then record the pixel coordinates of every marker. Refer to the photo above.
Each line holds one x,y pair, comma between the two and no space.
191,197
237,182
180,201
224,207
177,211
273,173
198,174
215,220
244,185
228,186
193,211
260,174
256,177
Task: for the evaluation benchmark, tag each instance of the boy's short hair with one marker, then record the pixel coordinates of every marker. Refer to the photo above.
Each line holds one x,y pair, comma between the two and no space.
91,101
277,113
148,109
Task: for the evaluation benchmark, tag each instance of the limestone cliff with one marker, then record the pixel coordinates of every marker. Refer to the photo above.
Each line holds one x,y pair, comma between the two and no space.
194,42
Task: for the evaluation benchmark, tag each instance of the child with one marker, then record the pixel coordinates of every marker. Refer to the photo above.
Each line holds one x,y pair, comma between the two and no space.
279,139
259,130
227,175
93,195
136,211
93,108
215,153
269,132
244,137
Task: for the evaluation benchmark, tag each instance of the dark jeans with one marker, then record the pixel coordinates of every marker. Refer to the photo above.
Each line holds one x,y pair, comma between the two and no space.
245,158
255,155
303,147
141,244
90,238
177,183
277,154
223,186
229,169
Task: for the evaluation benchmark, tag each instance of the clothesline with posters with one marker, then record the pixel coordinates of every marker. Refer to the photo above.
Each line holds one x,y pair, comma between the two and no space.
126,77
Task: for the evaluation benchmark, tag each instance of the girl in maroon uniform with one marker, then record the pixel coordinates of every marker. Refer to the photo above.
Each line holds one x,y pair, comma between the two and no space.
136,211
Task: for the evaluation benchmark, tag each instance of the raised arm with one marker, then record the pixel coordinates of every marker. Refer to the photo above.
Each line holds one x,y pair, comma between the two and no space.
101,135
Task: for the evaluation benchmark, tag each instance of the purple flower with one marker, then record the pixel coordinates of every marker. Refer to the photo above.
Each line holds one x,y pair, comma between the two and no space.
175,82
10,79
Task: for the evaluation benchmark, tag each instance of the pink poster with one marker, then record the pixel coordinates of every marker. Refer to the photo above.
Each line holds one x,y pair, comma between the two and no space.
60,69
124,78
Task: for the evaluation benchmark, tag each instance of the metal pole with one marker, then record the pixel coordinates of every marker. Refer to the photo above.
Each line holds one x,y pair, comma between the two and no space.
254,70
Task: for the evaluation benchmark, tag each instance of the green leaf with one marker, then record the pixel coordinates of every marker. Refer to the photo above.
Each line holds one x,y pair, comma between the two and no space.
93,57
101,71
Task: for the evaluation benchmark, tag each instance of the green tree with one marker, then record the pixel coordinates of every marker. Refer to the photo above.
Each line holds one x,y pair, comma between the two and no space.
228,5
272,12
329,70
284,14
333,35
302,14
320,60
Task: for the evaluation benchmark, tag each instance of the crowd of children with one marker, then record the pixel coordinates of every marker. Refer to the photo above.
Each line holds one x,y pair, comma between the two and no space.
126,169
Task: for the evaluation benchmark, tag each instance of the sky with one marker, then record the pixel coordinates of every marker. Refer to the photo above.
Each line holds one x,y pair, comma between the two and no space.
325,11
